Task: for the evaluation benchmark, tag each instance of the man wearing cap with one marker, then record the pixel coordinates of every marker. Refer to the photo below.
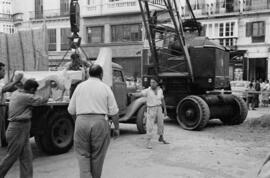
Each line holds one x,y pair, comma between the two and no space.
20,114
91,102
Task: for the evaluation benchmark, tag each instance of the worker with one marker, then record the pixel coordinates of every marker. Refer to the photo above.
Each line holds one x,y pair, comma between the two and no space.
76,64
18,131
3,89
91,102
154,101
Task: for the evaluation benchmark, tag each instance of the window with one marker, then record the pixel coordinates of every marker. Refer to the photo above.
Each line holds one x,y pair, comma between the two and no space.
221,29
95,34
38,9
64,7
118,76
65,33
126,33
52,39
256,30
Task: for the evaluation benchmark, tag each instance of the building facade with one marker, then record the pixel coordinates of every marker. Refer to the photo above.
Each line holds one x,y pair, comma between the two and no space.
6,17
242,25
33,14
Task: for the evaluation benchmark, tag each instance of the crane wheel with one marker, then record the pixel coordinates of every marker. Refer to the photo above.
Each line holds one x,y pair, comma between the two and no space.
193,113
240,111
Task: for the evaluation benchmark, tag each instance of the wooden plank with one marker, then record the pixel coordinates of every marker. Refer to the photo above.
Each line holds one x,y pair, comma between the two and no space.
28,50
21,46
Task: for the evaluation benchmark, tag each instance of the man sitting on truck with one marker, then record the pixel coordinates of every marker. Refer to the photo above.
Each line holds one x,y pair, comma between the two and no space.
76,64
20,113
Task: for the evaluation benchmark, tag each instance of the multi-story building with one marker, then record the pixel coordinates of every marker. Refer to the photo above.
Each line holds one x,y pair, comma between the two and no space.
6,18
242,25
33,14
114,24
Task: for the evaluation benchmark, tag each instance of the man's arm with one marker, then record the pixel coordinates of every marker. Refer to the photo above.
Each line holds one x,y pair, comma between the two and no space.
72,103
113,111
164,106
163,103
9,87
143,93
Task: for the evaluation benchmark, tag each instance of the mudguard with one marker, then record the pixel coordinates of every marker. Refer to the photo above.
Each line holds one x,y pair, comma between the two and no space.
132,109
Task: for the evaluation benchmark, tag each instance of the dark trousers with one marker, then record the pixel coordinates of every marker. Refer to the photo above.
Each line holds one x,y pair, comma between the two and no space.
91,142
18,148
2,126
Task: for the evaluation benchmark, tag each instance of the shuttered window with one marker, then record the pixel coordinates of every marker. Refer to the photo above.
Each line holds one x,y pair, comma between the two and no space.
256,30
248,29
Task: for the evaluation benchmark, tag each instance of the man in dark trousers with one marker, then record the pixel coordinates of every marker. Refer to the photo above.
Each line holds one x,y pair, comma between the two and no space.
20,113
8,87
91,102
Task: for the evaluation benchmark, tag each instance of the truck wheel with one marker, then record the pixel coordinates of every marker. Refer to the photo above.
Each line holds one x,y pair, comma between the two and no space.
58,137
240,111
141,119
193,113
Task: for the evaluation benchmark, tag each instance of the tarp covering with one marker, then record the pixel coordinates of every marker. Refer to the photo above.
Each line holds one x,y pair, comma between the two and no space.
24,50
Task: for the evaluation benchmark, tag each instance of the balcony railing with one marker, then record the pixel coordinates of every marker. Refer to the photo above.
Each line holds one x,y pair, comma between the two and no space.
17,17
48,14
230,42
218,8
5,16
116,7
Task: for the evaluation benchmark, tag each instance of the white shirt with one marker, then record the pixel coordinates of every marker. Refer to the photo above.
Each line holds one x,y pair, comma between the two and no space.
93,97
152,98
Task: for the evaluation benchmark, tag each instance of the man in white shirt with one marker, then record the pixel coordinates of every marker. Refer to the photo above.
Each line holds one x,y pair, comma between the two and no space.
3,89
154,101
91,102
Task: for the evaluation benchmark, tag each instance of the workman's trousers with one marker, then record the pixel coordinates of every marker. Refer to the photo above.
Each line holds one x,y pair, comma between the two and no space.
91,142
154,114
3,139
18,147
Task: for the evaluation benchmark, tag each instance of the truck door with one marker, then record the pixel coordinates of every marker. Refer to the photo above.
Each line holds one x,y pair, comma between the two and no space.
120,90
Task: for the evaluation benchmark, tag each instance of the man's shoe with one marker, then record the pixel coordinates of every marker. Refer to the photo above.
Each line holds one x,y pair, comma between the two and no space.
161,139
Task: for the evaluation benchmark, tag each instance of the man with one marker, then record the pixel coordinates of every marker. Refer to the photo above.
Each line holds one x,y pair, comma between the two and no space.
20,113
9,87
91,102
76,64
257,88
154,101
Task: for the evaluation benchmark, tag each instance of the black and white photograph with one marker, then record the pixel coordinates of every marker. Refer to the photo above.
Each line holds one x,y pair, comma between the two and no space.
134,88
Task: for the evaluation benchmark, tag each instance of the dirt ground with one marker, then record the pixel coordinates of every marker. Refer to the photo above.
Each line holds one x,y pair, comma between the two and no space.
216,152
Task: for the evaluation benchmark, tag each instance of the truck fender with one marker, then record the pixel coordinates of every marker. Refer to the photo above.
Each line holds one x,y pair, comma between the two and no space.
133,108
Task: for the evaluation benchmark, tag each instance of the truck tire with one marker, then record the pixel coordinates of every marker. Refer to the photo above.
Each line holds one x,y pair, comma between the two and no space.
141,119
240,111
193,113
58,136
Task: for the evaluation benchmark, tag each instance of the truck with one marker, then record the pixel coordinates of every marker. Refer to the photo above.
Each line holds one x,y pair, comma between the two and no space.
53,127
193,69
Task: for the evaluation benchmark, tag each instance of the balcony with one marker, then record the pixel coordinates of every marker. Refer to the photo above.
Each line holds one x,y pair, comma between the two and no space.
118,7
5,16
54,13
230,42
223,9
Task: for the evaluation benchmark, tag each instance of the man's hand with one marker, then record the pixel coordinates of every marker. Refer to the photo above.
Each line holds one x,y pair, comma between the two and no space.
18,78
116,133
